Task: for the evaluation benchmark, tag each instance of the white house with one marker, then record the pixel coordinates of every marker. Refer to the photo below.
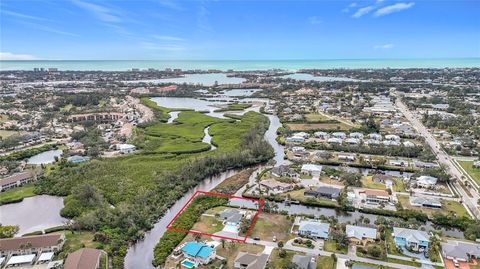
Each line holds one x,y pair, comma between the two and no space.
334,140
341,135
392,137
126,148
426,181
352,141
356,135
314,229
375,136
313,170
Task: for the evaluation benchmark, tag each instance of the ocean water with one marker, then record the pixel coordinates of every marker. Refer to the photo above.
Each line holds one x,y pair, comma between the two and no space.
123,65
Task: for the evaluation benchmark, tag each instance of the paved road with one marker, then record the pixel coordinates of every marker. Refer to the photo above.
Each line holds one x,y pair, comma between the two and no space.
317,252
443,158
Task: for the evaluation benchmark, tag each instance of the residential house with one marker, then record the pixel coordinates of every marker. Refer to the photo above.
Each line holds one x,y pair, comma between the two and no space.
284,171
348,158
84,258
16,180
375,136
298,151
391,143
315,229
245,260
360,235
460,250
276,186
382,178
295,139
376,196
78,159
412,239
356,135
426,201
324,191
476,164
426,182
398,163
126,148
352,141
340,135
31,244
304,262
321,135
231,216
334,140
392,137
420,164
313,170
198,253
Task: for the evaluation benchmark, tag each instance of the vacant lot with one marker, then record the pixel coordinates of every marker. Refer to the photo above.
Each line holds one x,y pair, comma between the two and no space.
270,225
318,126
208,225
7,133
473,172
313,117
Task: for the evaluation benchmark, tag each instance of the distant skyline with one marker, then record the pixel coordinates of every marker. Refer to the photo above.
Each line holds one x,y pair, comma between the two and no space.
237,30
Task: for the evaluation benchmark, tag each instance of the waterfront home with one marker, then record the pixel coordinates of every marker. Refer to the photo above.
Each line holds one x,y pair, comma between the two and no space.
298,151
313,170
295,139
348,158
197,253
126,148
420,164
391,143
302,134
426,182
392,137
321,135
84,258
31,244
334,140
382,178
245,260
78,159
398,163
340,135
304,262
324,191
352,141
314,229
16,180
375,136
284,171
425,201
276,186
231,216
460,250
356,135
413,239
376,196
360,235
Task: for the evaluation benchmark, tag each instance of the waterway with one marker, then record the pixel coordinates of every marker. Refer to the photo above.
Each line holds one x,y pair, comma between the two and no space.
202,79
173,116
207,138
310,77
33,214
45,157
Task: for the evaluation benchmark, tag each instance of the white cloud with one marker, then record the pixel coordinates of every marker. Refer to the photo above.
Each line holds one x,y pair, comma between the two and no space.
392,9
362,11
8,56
23,16
379,1
352,4
101,12
46,28
168,38
384,46
314,20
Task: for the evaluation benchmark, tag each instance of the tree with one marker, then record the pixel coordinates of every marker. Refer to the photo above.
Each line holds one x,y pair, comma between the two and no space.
223,242
280,244
282,253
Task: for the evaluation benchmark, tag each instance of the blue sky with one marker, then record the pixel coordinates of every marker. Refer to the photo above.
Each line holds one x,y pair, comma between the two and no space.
234,29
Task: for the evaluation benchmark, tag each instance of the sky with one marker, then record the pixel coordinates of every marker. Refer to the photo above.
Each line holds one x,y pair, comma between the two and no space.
237,30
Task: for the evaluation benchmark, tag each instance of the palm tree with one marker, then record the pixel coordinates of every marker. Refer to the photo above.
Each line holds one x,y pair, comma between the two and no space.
223,242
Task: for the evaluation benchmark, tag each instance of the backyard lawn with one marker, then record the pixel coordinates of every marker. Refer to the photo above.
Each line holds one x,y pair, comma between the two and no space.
332,246
326,262
298,195
232,249
473,172
208,224
368,182
448,207
17,194
77,240
269,225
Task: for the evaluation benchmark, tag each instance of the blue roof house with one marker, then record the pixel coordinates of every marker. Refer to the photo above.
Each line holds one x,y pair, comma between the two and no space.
197,253
314,229
413,239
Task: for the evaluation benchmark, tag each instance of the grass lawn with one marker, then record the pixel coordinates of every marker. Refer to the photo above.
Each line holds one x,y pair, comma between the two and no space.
17,194
275,262
232,249
368,182
473,172
215,210
269,225
318,126
326,262
398,185
77,240
332,246
7,133
208,225
448,207
299,196
313,117
411,263
371,265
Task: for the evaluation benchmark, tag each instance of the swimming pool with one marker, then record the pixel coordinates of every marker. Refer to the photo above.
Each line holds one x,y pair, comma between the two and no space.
188,264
